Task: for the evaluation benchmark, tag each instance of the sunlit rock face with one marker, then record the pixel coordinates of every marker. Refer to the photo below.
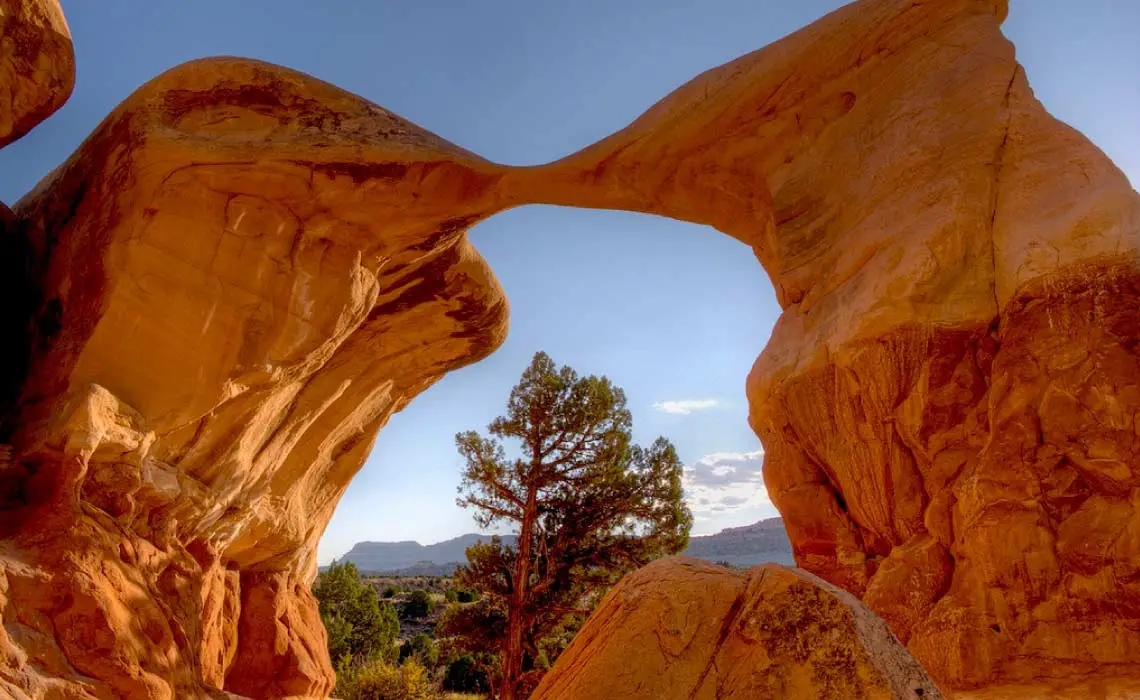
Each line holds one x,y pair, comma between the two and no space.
236,280
37,64
948,402
243,272
682,628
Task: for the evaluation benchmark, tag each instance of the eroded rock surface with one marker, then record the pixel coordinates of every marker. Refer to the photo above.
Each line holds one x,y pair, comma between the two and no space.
220,299
238,277
687,630
948,402
37,64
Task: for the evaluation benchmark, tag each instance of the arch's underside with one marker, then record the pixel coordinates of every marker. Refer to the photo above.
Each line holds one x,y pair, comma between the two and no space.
217,302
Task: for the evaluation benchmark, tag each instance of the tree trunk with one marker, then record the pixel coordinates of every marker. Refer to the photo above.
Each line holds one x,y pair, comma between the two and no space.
516,606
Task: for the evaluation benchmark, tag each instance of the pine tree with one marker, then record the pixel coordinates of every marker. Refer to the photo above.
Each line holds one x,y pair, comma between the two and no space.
586,503
359,625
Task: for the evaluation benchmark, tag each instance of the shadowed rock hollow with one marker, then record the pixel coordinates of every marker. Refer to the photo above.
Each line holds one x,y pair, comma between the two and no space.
243,272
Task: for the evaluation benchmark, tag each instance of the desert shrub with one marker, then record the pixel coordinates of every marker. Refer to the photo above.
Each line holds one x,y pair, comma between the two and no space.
359,626
467,595
466,675
551,646
339,631
379,680
391,592
451,595
419,604
422,648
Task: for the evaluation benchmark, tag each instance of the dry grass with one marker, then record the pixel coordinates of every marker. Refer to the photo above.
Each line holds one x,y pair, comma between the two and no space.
462,696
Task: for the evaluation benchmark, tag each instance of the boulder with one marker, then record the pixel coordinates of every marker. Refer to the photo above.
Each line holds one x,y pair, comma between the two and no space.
684,629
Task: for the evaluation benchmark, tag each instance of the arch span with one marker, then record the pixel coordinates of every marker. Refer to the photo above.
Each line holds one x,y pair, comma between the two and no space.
244,271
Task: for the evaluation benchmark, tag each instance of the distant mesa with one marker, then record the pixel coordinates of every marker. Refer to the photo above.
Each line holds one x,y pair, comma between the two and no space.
751,545
763,542
409,558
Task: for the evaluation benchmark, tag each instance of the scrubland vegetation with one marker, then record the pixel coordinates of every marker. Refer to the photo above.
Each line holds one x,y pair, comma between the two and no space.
588,505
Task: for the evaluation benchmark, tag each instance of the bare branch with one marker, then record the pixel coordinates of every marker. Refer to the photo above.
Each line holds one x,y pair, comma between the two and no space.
490,508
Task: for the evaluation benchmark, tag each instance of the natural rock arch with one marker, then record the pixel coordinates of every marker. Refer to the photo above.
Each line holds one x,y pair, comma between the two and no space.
244,271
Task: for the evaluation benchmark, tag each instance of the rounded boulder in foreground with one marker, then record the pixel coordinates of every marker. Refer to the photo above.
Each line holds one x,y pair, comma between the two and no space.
684,629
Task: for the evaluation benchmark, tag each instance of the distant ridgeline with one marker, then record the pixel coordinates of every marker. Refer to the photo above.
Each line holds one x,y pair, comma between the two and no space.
765,541
750,545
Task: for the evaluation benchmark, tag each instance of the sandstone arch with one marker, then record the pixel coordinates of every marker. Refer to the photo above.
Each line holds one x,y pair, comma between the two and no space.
244,271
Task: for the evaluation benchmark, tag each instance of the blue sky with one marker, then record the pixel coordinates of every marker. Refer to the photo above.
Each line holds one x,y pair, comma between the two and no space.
672,312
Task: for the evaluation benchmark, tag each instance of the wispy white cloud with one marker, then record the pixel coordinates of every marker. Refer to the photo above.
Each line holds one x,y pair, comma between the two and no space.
686,407
725,482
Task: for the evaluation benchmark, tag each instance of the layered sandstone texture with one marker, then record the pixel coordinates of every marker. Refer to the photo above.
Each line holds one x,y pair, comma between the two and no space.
216,303
948,403
683,629
230,286
37,64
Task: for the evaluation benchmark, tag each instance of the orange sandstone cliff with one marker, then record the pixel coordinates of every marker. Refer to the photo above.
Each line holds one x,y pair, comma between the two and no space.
243,272
948,402
233,283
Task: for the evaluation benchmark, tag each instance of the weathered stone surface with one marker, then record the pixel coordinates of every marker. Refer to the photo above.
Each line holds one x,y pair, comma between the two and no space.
1100,688
682,628
239,276
948,402
37,64
244,271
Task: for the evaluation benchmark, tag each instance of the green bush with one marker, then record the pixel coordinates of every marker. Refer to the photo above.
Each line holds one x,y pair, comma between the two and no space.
551,646
391,592
379,680
451,595
421,648
359,626
418,605
467,595
339,631
466,675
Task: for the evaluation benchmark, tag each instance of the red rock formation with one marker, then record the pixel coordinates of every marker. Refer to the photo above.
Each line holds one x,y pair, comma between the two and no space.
238,277
948,402
37,64
218,301
682,628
